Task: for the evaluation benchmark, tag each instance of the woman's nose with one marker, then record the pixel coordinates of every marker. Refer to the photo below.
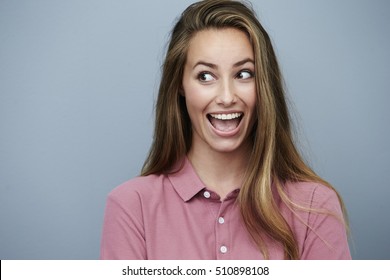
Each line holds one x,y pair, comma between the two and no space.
226,95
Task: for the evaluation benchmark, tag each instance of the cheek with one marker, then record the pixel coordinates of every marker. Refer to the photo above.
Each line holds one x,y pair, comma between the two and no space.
197,97
252,97
195,112
193,103
248,95
251,103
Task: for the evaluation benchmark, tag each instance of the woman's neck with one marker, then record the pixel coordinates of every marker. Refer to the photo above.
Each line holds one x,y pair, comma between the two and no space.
220,172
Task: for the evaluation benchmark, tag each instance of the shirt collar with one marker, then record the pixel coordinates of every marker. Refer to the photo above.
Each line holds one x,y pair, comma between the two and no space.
185,181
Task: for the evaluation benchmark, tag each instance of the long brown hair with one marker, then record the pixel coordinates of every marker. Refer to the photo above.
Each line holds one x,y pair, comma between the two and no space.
274,157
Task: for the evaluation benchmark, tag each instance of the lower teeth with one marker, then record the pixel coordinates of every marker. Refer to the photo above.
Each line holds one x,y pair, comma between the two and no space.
224,125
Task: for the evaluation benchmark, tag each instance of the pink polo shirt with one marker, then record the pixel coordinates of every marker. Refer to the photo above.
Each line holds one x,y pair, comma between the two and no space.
176,217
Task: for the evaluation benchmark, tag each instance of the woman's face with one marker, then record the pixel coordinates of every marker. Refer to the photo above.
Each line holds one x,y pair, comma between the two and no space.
219,89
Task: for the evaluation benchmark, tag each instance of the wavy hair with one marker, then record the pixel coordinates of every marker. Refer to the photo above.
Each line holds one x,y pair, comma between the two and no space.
274,157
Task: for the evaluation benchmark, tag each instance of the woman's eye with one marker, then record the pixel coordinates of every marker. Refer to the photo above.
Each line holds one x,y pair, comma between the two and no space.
246,74
205,77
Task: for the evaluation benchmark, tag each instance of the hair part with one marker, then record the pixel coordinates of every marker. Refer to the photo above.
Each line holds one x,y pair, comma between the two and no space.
274,157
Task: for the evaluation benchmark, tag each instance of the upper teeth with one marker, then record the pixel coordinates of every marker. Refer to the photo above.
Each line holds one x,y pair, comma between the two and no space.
226,116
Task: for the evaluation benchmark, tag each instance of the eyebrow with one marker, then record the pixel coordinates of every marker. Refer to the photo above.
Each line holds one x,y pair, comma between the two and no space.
213,66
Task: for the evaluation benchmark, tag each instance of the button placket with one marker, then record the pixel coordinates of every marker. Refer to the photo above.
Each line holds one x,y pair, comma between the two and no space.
222,230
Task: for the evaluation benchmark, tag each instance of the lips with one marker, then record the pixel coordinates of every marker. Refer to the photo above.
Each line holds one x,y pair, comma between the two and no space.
225,122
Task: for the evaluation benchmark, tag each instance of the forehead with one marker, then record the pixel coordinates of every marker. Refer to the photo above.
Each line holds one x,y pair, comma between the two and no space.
219,46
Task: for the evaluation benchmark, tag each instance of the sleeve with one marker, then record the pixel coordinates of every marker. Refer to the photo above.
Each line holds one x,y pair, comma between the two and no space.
326,237
123,235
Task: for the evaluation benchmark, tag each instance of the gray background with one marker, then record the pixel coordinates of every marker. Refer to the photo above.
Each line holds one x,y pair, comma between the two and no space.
78,81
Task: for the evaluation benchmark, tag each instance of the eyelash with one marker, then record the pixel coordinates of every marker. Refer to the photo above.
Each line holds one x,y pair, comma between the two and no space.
251,75
202,74
199,77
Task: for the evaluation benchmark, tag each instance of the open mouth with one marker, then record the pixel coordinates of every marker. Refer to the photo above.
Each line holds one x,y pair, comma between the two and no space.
225,122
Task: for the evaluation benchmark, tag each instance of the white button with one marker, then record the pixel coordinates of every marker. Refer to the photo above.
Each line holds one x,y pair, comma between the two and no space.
223,249
206,194
221,220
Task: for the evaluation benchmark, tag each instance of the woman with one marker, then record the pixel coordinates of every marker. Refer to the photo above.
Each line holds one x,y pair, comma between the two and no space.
223,179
